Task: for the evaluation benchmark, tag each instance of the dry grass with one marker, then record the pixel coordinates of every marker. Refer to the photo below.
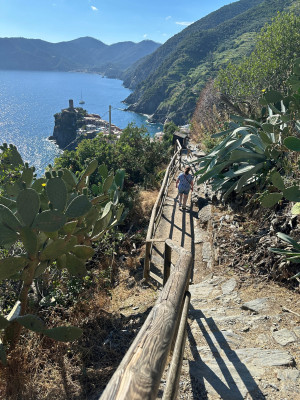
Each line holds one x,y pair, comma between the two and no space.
41,369
147,199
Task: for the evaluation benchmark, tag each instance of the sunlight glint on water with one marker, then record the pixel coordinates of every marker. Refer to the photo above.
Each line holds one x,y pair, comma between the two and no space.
29,100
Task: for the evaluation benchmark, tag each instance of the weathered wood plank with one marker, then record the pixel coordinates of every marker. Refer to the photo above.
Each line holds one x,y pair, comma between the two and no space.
138,376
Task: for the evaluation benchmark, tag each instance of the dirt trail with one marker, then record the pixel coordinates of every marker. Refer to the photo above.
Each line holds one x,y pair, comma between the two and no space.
241,344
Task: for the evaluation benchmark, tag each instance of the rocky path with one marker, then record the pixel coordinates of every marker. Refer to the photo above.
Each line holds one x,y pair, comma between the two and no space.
243,335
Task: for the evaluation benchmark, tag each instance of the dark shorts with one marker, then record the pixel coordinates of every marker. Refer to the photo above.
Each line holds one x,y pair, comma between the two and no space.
183,191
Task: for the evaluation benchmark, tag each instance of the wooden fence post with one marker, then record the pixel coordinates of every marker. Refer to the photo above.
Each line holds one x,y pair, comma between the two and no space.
147,260
167,263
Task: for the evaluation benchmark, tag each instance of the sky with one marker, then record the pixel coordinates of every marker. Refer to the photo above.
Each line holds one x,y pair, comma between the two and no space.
110,21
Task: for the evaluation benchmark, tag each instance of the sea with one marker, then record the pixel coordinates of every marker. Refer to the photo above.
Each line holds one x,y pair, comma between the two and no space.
29,100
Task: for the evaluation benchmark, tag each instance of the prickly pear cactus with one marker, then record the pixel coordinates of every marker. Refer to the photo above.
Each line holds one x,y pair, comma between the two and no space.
56,220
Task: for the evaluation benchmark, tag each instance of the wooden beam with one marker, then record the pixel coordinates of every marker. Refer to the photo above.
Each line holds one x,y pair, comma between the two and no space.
139,374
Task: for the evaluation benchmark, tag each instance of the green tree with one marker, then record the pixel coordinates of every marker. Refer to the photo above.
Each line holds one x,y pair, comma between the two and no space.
270,63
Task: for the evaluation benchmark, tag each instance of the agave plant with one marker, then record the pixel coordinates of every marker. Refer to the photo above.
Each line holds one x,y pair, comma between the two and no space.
251,149
56,221
245,154
292,254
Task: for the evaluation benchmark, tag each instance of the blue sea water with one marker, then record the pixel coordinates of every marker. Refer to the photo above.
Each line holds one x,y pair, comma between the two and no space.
29,100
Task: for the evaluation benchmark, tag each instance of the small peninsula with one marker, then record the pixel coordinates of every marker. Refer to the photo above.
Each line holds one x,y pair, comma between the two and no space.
74,124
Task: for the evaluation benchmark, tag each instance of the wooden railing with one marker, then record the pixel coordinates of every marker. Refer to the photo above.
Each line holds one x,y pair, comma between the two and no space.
139,375
157,210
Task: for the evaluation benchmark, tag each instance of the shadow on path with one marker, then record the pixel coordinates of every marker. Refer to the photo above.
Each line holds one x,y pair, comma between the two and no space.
230,390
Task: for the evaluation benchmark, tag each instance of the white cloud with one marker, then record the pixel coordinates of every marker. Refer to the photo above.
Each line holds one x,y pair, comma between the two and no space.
184,23
94,8
145,35
168,17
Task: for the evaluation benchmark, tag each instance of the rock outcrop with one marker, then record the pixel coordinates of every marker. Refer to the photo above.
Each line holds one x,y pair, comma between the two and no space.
66,124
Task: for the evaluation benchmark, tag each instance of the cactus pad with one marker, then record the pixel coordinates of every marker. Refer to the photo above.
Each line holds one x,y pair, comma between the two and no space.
7,236
31,322
107,183
8,219
83,252
271,199
29,239
75,266
63,333
28,204
78,207
53,250
3,322
292,193
11,265
50,221
57,193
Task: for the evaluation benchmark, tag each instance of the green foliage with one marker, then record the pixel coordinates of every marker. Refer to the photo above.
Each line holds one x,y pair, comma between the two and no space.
252,153
55,220
135,150
292,254
270,63
167,83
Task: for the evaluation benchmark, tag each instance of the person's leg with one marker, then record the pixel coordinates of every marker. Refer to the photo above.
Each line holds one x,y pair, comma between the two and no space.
185,197
180,198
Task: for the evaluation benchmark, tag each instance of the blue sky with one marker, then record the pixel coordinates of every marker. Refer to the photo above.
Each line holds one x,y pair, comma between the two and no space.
110,21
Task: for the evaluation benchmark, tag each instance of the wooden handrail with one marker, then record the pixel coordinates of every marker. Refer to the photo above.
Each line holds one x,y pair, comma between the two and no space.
139,374
157,208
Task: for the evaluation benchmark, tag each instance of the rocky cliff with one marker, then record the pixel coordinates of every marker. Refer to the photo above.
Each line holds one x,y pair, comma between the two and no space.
66,124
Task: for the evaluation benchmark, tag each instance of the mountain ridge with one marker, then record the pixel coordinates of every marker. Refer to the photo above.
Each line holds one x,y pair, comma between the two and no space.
85,53
168,82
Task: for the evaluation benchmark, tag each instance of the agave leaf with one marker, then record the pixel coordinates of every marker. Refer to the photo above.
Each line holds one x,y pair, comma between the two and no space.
219,134
243,180
230,190
213,172
295,276
289,240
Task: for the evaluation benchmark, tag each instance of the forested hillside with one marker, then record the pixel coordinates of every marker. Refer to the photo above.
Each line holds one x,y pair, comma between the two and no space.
168,82
80,54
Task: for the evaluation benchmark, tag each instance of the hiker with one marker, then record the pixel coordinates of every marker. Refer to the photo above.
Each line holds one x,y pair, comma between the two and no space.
184,183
